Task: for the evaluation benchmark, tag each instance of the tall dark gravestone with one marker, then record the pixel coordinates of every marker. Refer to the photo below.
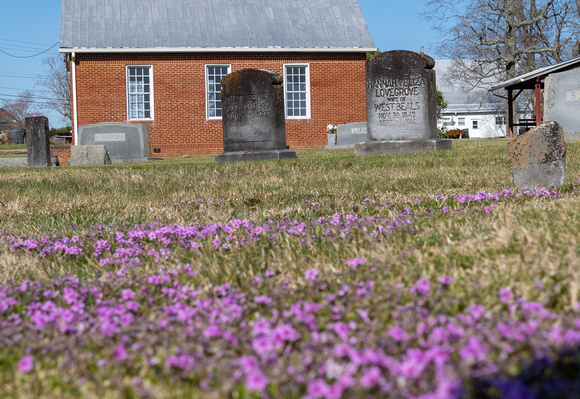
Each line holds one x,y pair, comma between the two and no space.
254,125
37,144
401,105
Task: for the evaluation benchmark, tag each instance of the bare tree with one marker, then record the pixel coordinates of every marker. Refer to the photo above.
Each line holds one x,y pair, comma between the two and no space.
55,86
495,40
19,110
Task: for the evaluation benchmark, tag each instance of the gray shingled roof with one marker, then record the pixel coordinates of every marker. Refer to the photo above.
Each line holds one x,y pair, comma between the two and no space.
460,100
242,25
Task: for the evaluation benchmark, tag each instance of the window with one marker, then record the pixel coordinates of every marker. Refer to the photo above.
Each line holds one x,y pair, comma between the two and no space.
297,91
213,87
500,120
139,92
461,121
475,124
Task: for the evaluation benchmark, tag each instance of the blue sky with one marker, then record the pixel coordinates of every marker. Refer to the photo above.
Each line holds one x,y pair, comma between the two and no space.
29,27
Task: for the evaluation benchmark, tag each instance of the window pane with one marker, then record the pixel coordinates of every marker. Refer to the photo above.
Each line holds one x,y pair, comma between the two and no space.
213,96
140,92
296,87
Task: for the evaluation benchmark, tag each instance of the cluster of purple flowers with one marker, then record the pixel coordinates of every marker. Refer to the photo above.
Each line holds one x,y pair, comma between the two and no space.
324,336
317,339
122,245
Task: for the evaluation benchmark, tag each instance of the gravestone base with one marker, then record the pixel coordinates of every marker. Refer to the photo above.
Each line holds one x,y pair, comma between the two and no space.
394,147
339,146
115,160
254,155
84,155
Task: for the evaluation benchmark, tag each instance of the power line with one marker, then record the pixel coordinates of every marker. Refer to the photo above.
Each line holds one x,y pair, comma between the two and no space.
22,41
29,56
18,73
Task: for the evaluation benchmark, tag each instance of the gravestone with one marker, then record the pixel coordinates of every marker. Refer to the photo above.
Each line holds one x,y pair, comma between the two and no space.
562,101
83,155
401,105
254,126
349,134
539,157
125,142
37,144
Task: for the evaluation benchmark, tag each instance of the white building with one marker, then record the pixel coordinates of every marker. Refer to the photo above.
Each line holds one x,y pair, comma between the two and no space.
479,113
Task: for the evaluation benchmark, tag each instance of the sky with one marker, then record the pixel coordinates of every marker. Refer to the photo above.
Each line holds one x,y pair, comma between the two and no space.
30,29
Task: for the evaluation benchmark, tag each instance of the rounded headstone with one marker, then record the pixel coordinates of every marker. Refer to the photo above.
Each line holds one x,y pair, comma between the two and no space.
401,96
253,111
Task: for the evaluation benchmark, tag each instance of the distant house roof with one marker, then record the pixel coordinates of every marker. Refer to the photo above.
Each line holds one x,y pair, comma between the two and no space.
458,98
5,117
213,25
527,80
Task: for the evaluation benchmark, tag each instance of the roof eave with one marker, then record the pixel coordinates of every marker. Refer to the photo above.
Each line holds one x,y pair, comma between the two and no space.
220,50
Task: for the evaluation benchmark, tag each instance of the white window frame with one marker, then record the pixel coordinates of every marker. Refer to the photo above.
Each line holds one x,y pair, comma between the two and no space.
206,67
127,84
475,124
461,121
307,74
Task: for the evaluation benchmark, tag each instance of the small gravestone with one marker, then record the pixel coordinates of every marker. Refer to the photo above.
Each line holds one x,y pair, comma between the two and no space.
562,101
349,134
254,126
539,157
401,105
37,142
83,155
125,142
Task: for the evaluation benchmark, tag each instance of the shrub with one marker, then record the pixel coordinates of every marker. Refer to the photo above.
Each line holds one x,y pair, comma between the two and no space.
455,134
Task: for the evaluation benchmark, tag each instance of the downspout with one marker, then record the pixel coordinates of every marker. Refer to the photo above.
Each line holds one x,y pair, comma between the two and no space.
74,93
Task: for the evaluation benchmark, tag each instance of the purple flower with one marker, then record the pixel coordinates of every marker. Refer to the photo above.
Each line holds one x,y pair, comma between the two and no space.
475,350
354,263
421,287
262,299
398,334
505,295
318,388
120,353
370,377
311,274
256,381
446,280
248,364
26,364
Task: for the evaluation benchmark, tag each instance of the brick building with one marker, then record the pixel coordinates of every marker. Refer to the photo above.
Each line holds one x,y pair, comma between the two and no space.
160,62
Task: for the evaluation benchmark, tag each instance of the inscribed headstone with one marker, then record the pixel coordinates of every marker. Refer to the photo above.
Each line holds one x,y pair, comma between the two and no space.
37,142
123,140
253,116
539,157
562,101
401,96
351,133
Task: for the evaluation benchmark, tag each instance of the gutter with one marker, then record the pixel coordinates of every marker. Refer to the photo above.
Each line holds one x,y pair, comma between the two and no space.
81,50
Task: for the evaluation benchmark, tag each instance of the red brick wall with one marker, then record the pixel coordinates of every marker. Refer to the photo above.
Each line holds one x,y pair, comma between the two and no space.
180,127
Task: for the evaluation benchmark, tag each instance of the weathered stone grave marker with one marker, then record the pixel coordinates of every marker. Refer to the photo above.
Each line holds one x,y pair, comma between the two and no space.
254,125
539,157
37,144
125,142
401,105
83,155
349,134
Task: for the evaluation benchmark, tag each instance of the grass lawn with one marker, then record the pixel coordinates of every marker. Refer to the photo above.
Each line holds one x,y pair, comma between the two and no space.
327,276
